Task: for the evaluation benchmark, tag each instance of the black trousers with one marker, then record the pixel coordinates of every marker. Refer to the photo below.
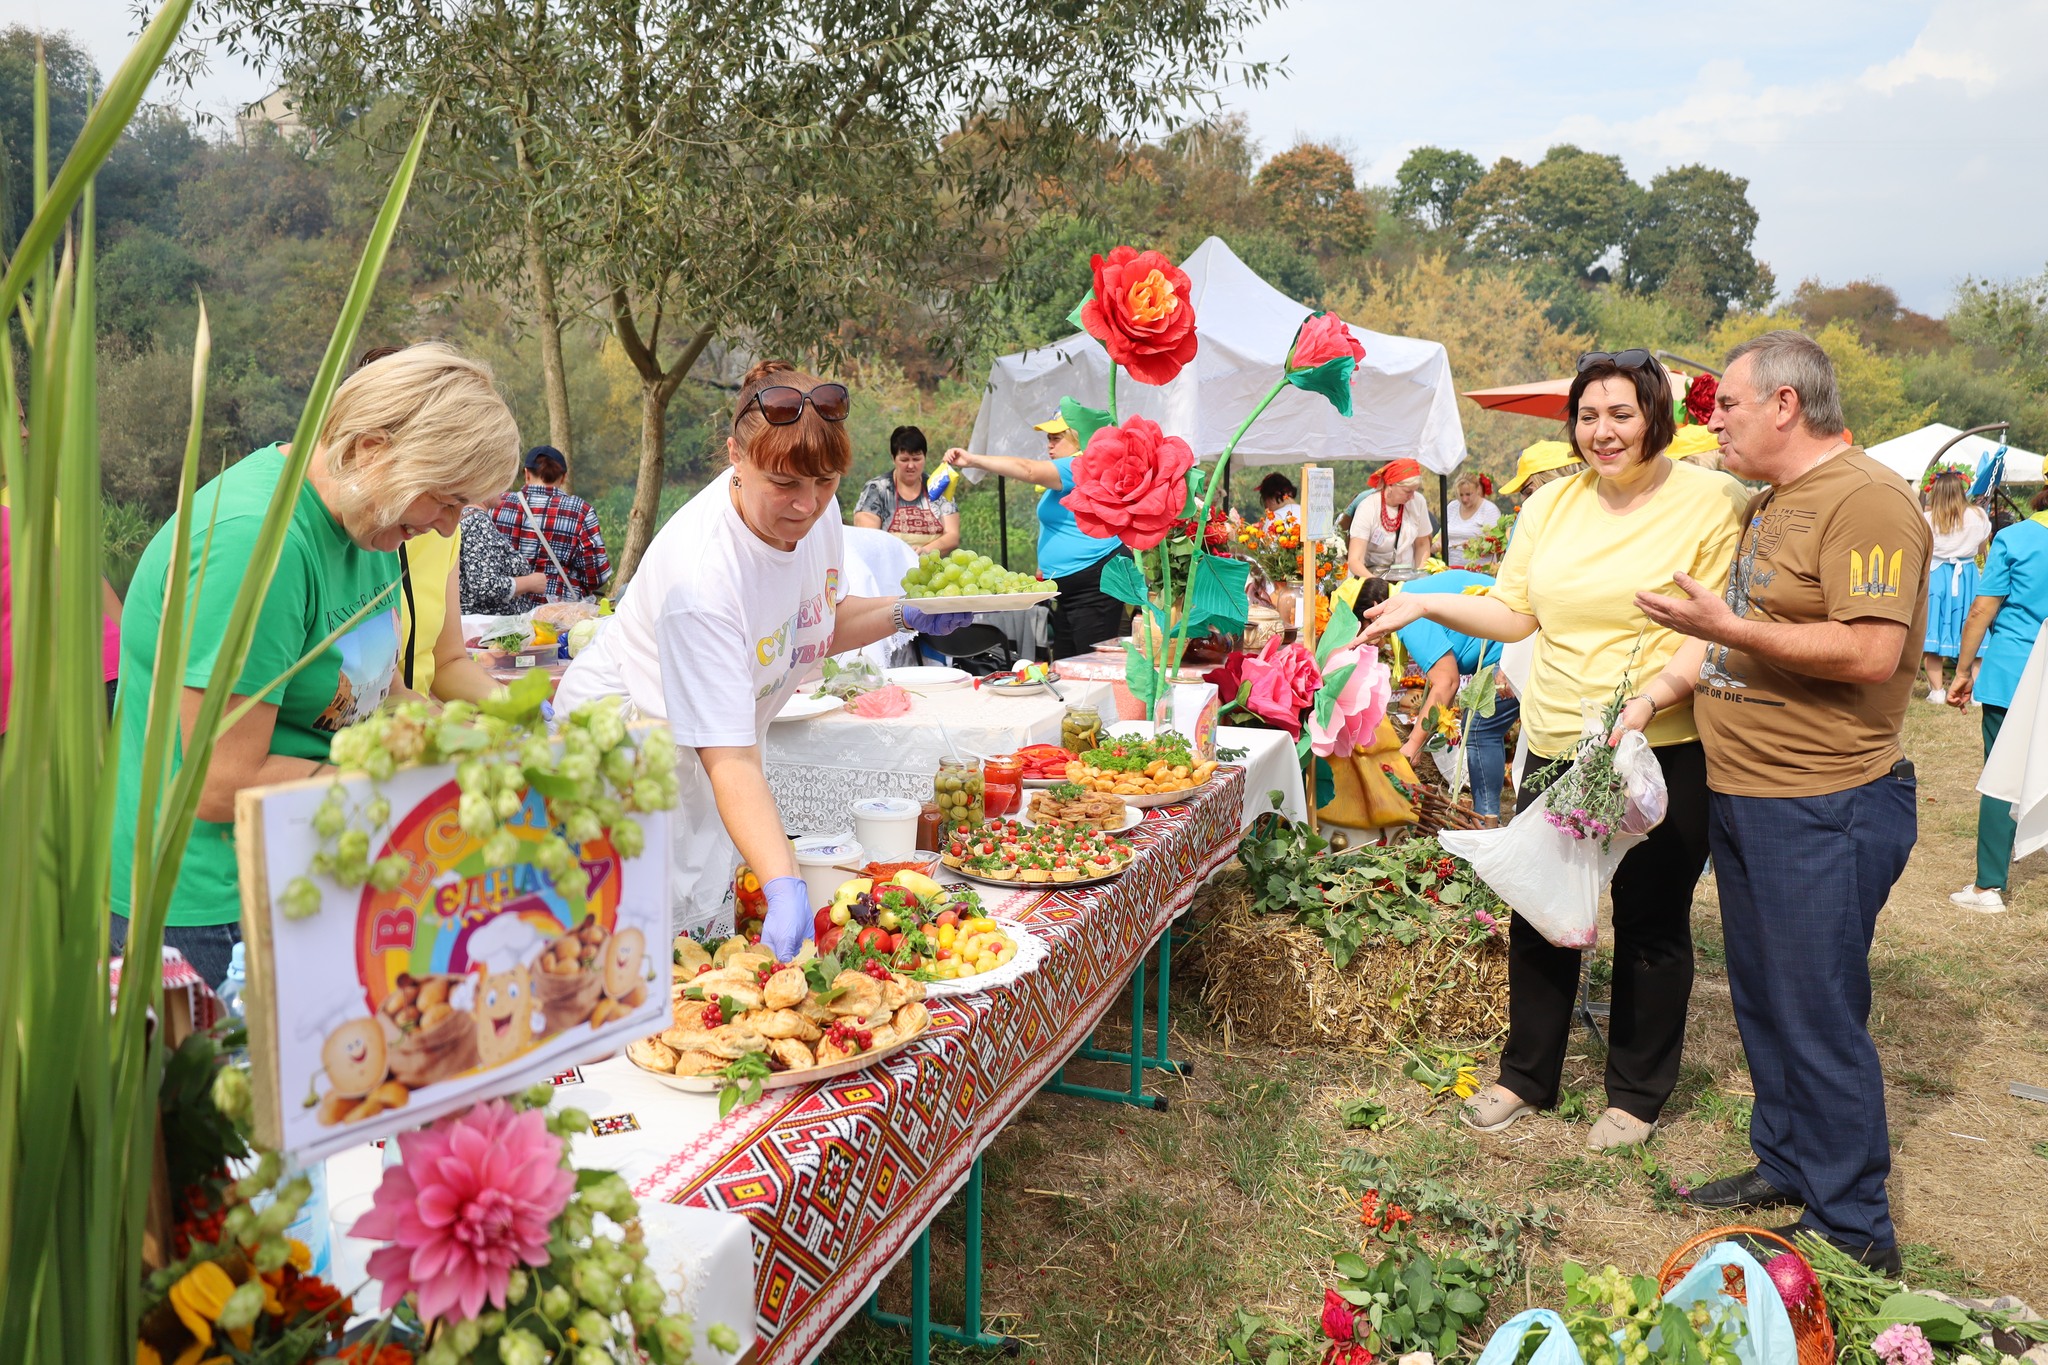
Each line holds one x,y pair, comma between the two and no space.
1083,615
1653,963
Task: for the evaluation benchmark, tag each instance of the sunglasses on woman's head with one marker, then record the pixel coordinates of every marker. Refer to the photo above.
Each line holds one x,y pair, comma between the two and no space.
1634,359
782,404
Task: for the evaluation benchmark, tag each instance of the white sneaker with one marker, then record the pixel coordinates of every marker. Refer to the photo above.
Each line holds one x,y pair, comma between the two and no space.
1937,699
1984,902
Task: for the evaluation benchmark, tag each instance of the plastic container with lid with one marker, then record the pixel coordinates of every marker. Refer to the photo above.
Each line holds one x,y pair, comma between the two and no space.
822,860
886,826
958,789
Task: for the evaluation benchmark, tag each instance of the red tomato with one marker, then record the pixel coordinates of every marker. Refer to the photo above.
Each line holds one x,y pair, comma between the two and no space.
949,917
875,937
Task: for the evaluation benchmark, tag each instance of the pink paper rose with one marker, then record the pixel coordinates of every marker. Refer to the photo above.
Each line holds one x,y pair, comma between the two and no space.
473,1198
1323,338
1361,703
1284,680
1130,484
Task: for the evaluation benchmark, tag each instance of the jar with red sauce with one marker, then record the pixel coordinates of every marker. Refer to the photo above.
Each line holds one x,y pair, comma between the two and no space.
1002,779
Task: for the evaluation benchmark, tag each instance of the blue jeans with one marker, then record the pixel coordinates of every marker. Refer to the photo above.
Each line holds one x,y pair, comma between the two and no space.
1802,879
1486,754
206,946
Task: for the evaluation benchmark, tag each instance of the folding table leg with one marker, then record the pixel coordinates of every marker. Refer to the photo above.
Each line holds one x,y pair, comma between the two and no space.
922,1328
1135,1095
1162,1011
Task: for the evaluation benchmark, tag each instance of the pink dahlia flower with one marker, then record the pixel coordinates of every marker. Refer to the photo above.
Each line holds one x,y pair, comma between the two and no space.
1793,1277
1361,703
472,1198
1903,1344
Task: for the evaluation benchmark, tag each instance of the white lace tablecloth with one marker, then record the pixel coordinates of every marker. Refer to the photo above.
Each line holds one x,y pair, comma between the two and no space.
818,768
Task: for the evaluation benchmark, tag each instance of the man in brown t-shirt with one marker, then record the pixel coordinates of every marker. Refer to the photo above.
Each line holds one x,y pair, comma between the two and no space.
1809,668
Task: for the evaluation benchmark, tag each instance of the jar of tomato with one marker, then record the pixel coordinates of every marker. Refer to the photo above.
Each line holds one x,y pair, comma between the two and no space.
929,823
1002,783
750,900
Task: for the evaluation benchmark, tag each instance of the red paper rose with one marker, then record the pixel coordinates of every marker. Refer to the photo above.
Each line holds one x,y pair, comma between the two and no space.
1338,1316
1142,313
1323,338
1130,484
1228,677
1699,399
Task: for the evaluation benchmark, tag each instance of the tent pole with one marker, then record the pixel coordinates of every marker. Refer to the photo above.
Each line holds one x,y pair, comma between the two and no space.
1443,517
1003,517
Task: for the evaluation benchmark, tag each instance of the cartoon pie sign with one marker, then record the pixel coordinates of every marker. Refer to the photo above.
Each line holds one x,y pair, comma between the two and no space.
468,980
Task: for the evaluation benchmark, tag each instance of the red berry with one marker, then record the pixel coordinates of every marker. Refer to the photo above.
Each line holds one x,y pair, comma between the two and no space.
714,1017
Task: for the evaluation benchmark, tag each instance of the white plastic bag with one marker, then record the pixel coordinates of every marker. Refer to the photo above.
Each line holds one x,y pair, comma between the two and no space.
1647,796
1545,875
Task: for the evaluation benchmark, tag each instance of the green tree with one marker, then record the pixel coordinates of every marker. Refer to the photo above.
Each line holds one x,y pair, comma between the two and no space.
72,79
761,169
1873,386
1310,196
1569,211
1965,393
2008,318
1876,312
1430,183
1697,223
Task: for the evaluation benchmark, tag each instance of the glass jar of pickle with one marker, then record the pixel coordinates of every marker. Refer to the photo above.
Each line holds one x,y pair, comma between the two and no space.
1081,729
1002,783
929,823
958,791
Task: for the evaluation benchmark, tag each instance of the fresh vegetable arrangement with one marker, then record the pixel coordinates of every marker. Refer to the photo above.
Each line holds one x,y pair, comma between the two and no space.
1046,762
912,925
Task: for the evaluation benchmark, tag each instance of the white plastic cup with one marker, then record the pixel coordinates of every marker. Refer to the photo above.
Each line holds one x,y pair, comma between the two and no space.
886,826
821,860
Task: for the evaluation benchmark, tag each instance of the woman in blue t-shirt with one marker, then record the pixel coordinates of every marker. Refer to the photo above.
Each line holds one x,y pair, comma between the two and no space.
2012,602
1083,615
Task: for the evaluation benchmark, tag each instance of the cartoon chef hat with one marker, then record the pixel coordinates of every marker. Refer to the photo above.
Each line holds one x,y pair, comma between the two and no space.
504,943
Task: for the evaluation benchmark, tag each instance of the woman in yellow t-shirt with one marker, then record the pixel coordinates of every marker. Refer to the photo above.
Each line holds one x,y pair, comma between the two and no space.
1582,547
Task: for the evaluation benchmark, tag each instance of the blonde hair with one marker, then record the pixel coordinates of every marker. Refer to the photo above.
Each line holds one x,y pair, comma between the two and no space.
1947,500
447,428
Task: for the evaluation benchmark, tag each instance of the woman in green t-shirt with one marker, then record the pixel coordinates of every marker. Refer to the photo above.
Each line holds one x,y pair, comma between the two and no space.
409,440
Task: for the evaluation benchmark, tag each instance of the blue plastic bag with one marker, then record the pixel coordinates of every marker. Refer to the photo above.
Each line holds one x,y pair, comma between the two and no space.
1557,1349
1769,1339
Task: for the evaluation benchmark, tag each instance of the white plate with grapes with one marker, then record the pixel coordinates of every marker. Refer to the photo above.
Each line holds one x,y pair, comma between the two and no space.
967,582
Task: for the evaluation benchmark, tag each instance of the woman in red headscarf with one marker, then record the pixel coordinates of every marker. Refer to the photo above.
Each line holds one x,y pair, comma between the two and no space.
1390,525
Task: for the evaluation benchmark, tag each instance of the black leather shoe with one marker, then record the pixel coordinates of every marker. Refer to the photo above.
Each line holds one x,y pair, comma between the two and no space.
1746,1191
1884,1260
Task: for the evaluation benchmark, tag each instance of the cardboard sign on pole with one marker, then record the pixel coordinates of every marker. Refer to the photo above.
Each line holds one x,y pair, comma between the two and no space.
384,1010
1318,502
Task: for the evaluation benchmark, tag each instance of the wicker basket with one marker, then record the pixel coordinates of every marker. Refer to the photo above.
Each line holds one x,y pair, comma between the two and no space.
1811,1327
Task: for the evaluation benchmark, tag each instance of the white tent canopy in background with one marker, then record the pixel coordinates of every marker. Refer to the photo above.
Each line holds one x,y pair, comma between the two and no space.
1402,400
1908,456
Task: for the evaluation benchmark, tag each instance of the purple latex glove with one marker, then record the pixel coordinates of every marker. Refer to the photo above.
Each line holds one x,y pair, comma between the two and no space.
788,922
935,623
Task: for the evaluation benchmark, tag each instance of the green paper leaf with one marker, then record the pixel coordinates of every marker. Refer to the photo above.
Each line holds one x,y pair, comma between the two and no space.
1218,598
1085,421
1343,630
1075,316
1326,695
1123,580
1142,678
1331,379
1941,1322
1326,781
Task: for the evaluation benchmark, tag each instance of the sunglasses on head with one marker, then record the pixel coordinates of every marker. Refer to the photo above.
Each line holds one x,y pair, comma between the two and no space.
782,404
1633,359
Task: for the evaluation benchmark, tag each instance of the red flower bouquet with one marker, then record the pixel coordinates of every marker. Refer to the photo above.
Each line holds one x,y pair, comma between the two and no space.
1130,484
1142,314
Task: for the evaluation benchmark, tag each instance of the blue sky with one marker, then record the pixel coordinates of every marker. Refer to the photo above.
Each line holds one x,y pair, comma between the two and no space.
1904,142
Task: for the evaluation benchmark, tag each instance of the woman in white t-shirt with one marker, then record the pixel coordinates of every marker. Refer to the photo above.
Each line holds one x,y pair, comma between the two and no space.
1390,526
1470,517
1960,530
737,602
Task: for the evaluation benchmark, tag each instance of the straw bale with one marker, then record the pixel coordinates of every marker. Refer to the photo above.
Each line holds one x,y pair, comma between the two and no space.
1275,982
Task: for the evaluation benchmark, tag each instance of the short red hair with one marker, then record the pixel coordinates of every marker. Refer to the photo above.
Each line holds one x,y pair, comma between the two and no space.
810,447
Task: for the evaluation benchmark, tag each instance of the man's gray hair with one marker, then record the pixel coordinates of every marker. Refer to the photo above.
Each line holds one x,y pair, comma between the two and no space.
1793,360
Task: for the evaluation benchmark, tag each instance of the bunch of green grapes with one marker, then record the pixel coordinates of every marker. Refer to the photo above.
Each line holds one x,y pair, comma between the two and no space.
589,776
964,573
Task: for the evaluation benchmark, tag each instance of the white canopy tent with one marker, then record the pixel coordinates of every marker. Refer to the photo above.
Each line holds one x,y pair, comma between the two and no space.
1908,456
1402,399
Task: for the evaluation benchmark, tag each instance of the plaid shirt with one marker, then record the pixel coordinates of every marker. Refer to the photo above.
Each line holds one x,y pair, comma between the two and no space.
570,525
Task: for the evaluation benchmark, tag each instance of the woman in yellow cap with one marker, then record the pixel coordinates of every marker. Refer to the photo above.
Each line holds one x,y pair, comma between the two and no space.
1083,615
